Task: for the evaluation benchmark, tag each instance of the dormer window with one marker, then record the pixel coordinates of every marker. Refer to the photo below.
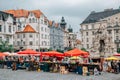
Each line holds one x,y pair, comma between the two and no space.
10,29
31,14
30,20
33,20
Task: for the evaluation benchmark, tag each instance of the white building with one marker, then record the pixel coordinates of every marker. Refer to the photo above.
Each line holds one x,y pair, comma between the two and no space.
27,39
37,20
6,27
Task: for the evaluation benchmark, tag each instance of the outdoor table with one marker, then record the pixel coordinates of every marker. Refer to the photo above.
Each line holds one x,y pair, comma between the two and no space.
89,66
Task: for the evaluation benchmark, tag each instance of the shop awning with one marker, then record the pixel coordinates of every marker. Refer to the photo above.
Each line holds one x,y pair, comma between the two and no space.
75,52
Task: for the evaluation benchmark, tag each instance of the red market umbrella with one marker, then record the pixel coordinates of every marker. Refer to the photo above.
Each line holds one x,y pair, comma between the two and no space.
53,53
116,55
29,52
2,54
75,52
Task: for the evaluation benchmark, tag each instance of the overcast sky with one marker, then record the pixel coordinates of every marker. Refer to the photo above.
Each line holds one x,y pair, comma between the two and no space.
74,11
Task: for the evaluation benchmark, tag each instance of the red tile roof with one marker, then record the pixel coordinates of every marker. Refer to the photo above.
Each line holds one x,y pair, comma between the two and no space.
24,13
28,28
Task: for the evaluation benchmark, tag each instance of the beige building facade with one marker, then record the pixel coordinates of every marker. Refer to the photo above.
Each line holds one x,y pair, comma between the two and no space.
100,32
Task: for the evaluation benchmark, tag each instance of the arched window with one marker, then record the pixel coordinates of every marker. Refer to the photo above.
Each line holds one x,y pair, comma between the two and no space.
33,20
30,20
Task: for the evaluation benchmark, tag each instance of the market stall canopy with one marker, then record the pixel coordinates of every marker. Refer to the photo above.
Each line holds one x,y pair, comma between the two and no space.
53,53
29,52
2,54
75,52
75,57
116,55
112,58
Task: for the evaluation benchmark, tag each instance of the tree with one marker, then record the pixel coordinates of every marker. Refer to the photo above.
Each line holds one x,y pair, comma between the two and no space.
4,46
83,49
59,50
118,50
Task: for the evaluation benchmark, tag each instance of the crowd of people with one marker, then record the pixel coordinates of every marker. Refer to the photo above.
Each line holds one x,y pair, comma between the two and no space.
111,66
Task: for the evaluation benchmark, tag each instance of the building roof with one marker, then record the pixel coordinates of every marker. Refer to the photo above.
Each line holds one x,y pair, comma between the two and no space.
29,29
96,16
4,16
24,13
54,24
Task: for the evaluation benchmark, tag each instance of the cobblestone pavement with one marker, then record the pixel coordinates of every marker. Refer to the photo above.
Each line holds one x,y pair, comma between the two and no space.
8,74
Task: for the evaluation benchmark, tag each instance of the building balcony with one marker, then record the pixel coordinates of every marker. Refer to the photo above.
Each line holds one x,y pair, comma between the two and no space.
117,41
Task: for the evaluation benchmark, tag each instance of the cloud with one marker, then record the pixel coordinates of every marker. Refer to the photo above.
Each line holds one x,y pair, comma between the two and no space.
74,11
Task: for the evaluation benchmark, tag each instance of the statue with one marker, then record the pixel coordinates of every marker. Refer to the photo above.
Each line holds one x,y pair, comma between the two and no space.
102,46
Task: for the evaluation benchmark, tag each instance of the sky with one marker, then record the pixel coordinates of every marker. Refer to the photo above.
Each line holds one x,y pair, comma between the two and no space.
74,11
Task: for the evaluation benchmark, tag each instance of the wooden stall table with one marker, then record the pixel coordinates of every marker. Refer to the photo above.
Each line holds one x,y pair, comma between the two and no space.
87,68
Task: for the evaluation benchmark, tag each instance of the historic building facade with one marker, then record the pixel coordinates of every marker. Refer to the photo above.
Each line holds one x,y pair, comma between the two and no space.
27,39
56,36
7,27
100,32
38,21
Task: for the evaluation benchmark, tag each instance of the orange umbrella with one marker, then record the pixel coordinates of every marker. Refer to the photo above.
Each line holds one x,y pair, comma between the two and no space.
75,52
2,54
53,53
28,51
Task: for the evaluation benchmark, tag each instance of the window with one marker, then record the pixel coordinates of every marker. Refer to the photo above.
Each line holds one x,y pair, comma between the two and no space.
31,14
86,26
42,43
0,38
0,28
24,43
87,40
33,20
117,38
30,36
41,28
45,36
92,26
42,36
117,31
0,17
45,30
30,20
87,45
37,35
92,32
36,20
109,31
13,28
41,21
18,36
86,33
4,28
18,43
7,39
10,29
30,43
23,35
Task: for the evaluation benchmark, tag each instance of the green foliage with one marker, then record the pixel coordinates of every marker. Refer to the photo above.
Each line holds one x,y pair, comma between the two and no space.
83,49
59,50
118,50
50,49
4,46
69,48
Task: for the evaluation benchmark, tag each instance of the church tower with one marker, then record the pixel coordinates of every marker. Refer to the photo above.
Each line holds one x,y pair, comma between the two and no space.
63,23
